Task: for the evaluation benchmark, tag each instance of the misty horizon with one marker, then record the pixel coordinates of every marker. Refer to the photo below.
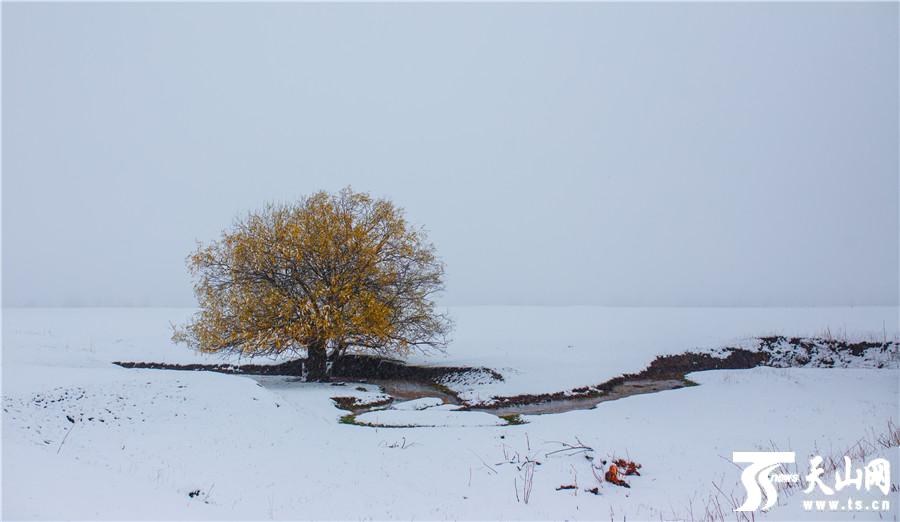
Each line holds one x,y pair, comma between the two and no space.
575,154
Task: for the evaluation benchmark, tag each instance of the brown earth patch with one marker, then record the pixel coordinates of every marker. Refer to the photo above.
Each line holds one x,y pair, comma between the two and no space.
665,372
355,404
290,368
663,368
350,367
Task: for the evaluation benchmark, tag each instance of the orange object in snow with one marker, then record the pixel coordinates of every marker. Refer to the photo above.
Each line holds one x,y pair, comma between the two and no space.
631,468
613,476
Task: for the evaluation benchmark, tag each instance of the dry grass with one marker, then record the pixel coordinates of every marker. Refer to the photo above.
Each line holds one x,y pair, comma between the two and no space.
719,505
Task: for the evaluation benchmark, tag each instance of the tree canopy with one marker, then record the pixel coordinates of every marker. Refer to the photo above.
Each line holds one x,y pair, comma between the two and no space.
328,275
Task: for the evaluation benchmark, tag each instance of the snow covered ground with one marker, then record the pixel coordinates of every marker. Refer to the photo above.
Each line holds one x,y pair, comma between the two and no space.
83,439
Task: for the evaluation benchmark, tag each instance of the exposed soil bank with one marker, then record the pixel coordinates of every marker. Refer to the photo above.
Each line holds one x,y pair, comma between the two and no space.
362,367
664,373
405,382
828,353
620,391
777,351
291,368
411,390
349,367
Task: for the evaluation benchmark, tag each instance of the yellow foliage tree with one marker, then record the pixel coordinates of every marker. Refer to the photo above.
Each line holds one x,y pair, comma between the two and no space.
329,275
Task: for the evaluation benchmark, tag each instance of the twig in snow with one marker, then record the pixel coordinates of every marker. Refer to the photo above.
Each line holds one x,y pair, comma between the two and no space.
209,492
575,472
399,444
573,448
483,462
596,476
528,481
65,437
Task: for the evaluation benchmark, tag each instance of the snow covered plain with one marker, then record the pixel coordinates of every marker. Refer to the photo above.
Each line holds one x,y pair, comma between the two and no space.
153,444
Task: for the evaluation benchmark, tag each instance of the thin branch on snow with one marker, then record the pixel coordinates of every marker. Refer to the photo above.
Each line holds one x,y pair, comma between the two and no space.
574,449
72,427
488,466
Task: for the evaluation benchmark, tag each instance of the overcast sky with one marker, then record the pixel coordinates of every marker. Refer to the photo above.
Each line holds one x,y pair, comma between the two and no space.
648,154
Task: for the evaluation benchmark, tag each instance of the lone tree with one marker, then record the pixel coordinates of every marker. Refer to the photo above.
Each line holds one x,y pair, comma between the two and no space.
331,274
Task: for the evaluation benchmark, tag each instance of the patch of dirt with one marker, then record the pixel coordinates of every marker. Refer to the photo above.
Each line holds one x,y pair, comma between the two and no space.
349,367
664,373
817,352
677,366
668,372
291,368
356,405
364,367
561,403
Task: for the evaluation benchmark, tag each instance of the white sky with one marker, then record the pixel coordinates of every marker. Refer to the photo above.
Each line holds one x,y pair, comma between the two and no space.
643,154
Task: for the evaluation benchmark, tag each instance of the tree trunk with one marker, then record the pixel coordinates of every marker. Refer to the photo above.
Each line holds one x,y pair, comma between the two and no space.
338,351
316,362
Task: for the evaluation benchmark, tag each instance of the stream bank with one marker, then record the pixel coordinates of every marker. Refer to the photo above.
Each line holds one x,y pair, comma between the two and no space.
400,382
